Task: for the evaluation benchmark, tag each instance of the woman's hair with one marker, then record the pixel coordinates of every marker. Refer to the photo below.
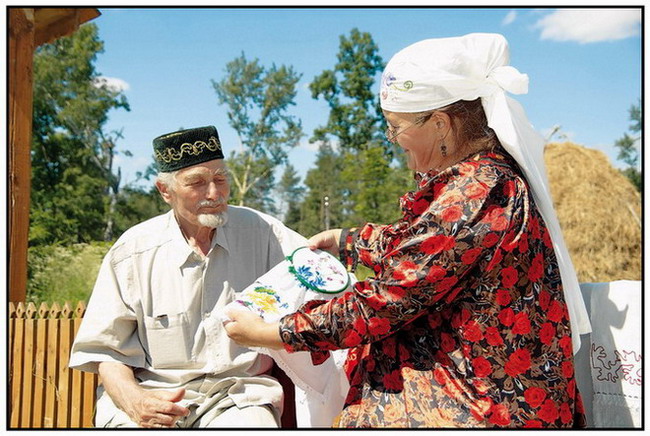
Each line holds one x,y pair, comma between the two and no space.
470,125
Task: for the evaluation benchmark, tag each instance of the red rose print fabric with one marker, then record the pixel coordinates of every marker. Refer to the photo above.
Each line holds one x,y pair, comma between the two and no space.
464,323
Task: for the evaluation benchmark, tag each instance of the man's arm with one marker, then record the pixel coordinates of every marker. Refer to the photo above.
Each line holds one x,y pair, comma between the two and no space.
147,408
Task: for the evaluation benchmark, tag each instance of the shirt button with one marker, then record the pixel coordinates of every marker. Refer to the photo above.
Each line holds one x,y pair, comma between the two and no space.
206,315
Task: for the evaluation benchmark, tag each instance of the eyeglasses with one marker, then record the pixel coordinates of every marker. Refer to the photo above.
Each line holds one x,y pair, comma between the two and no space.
391,135
390,132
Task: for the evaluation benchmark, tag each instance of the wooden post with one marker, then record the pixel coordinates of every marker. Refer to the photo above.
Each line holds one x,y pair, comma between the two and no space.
16,367
64,376
27,401
77,390
52,396
21,49
40,376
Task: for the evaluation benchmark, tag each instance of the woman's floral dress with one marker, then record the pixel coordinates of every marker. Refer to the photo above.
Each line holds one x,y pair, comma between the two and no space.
464,323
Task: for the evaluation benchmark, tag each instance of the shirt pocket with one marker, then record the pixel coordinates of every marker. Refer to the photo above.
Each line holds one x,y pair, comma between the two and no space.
168,340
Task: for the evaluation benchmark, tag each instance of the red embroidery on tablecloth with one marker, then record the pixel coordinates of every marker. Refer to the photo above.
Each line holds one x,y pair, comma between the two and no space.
612,365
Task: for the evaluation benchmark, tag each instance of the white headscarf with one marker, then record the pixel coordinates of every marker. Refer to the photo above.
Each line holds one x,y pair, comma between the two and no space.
434,73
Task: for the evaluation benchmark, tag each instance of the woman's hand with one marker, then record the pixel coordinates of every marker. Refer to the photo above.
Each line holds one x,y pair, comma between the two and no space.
326,241
249,329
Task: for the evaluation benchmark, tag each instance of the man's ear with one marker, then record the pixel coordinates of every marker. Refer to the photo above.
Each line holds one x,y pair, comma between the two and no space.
165,192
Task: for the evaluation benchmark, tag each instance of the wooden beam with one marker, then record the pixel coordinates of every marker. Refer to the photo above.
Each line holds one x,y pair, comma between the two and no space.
28,28
53,23
21,50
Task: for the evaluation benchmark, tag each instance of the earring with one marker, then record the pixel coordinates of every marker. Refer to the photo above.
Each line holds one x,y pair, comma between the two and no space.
443,148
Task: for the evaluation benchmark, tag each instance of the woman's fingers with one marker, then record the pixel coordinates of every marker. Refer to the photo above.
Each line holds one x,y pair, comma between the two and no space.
327,241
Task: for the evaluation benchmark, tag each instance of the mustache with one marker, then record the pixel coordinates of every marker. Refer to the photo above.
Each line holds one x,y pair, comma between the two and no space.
208,203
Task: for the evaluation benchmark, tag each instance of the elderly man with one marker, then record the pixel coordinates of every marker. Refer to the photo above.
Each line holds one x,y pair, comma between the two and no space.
151,330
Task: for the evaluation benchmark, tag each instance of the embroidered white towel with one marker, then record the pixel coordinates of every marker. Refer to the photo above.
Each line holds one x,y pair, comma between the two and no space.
305,275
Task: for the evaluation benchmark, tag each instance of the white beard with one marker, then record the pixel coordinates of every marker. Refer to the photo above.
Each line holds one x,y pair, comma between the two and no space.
213,220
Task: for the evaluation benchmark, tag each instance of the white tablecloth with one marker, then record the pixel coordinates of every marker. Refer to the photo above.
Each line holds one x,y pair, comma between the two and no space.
609,364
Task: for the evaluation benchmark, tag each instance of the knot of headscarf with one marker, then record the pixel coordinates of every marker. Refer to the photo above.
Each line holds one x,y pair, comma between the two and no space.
434,73
505,78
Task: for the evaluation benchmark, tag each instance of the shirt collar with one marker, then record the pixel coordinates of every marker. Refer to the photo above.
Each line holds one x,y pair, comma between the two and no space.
221,237
183,251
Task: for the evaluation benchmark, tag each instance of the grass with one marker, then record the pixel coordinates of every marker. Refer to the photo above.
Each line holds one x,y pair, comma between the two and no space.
60,274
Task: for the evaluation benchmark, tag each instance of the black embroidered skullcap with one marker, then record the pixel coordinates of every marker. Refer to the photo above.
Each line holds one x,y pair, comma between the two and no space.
184,148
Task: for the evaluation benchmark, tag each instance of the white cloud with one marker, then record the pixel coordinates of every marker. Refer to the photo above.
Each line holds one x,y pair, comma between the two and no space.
512,15
590,25
112,83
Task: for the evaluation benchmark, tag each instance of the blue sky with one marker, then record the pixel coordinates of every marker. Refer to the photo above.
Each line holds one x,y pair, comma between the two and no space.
584,65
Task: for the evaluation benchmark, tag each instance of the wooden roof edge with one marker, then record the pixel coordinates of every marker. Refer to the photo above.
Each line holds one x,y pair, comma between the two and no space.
53,23
21,20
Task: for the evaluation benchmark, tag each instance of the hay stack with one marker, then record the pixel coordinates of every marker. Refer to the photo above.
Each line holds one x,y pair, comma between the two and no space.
599,211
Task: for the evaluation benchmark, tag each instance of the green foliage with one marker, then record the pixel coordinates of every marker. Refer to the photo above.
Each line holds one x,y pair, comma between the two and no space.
71,155
628,150
59,274
377,186
361,180
72,211
136,205
252,181
258,100
290,193
635,117
76,198
324,181
348,89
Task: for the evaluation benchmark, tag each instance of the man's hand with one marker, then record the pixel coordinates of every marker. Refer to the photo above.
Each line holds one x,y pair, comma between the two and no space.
249,329
326,241
147,408
156,409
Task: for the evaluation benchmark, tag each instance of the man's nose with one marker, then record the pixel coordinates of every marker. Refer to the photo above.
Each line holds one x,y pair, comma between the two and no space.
213,192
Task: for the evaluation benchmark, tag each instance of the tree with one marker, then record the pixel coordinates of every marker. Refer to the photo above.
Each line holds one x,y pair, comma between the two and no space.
369,181
134,205
323,181
629,147
258,100
378,186
252,181
354,118
72,156
290,193
108,148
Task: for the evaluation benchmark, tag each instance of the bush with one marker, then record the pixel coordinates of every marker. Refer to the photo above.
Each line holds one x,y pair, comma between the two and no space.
63,273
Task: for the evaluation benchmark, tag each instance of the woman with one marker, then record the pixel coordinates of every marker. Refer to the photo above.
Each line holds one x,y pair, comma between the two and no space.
465,322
